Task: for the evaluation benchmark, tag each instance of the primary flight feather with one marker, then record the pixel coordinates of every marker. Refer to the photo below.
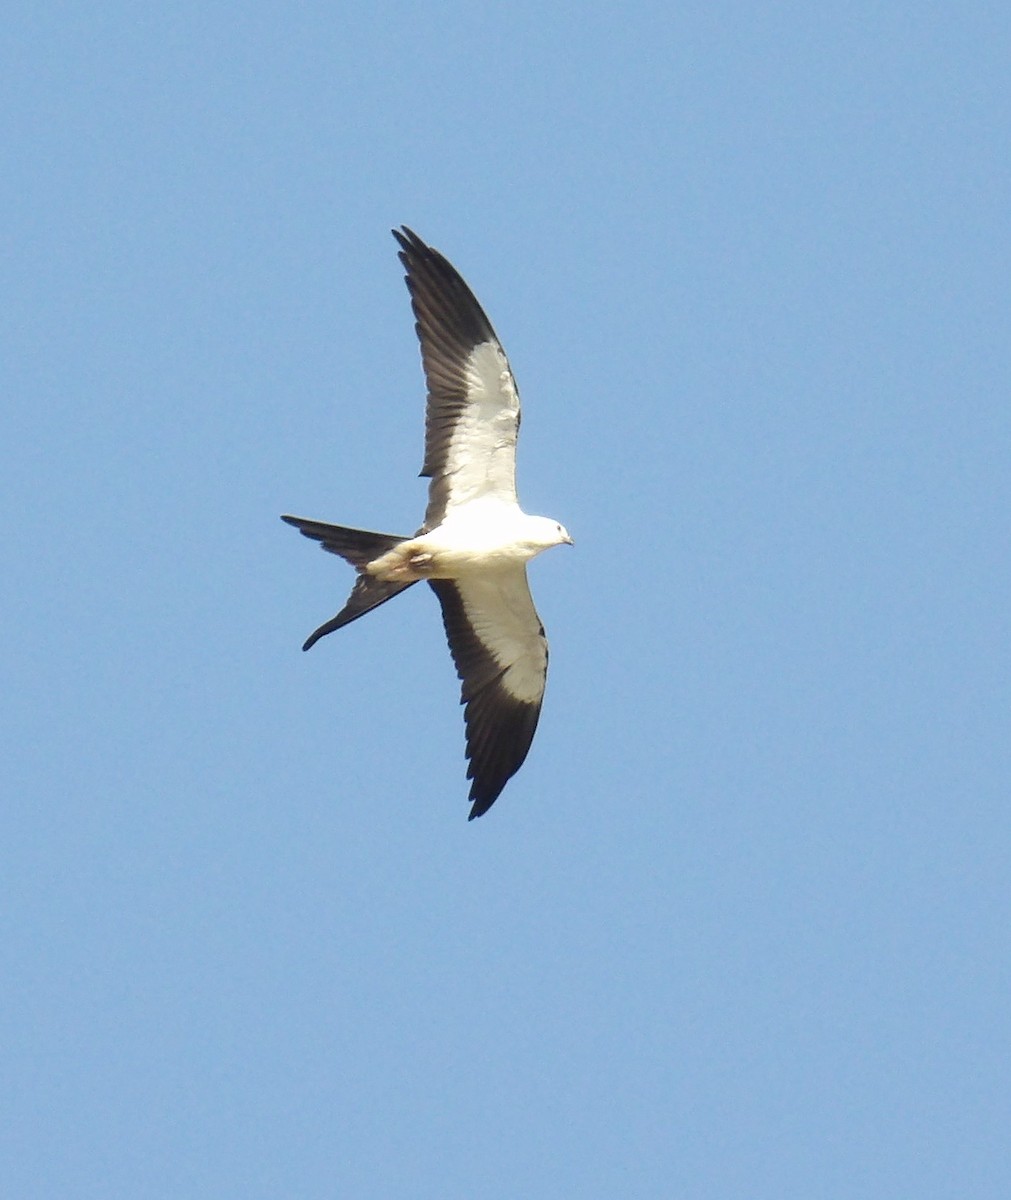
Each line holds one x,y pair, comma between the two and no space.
475,541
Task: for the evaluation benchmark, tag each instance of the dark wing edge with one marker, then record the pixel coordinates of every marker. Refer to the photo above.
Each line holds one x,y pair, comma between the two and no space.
500,726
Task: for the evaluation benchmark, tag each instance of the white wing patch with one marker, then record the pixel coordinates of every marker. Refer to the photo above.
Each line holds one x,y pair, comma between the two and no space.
481,456
501,612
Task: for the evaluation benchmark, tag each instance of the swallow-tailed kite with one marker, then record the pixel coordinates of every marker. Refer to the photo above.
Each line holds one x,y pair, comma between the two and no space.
476,541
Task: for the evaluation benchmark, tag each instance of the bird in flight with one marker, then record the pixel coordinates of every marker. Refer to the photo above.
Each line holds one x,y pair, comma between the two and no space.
476,541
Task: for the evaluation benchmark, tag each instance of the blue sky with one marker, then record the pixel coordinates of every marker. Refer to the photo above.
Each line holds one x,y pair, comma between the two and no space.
740,926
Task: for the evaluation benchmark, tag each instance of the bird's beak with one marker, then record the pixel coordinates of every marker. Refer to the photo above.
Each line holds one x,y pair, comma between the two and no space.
569,541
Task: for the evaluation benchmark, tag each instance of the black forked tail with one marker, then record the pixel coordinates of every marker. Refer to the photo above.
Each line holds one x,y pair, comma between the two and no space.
358,547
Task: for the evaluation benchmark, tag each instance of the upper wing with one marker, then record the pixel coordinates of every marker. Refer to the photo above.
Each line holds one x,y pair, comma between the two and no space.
473,412
501,655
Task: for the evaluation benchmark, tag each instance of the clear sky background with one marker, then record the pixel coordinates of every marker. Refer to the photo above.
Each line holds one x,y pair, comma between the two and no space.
740,926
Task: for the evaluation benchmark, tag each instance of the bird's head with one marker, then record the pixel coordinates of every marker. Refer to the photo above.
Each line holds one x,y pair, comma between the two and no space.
544,532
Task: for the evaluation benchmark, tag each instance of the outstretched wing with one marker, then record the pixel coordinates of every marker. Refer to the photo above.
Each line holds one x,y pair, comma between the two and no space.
501,656
473,412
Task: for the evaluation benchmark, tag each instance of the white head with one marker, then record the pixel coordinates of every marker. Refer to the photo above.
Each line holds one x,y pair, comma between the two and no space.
543,532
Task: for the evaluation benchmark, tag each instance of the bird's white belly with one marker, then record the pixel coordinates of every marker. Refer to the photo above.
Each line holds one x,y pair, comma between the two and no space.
484,541
422,559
